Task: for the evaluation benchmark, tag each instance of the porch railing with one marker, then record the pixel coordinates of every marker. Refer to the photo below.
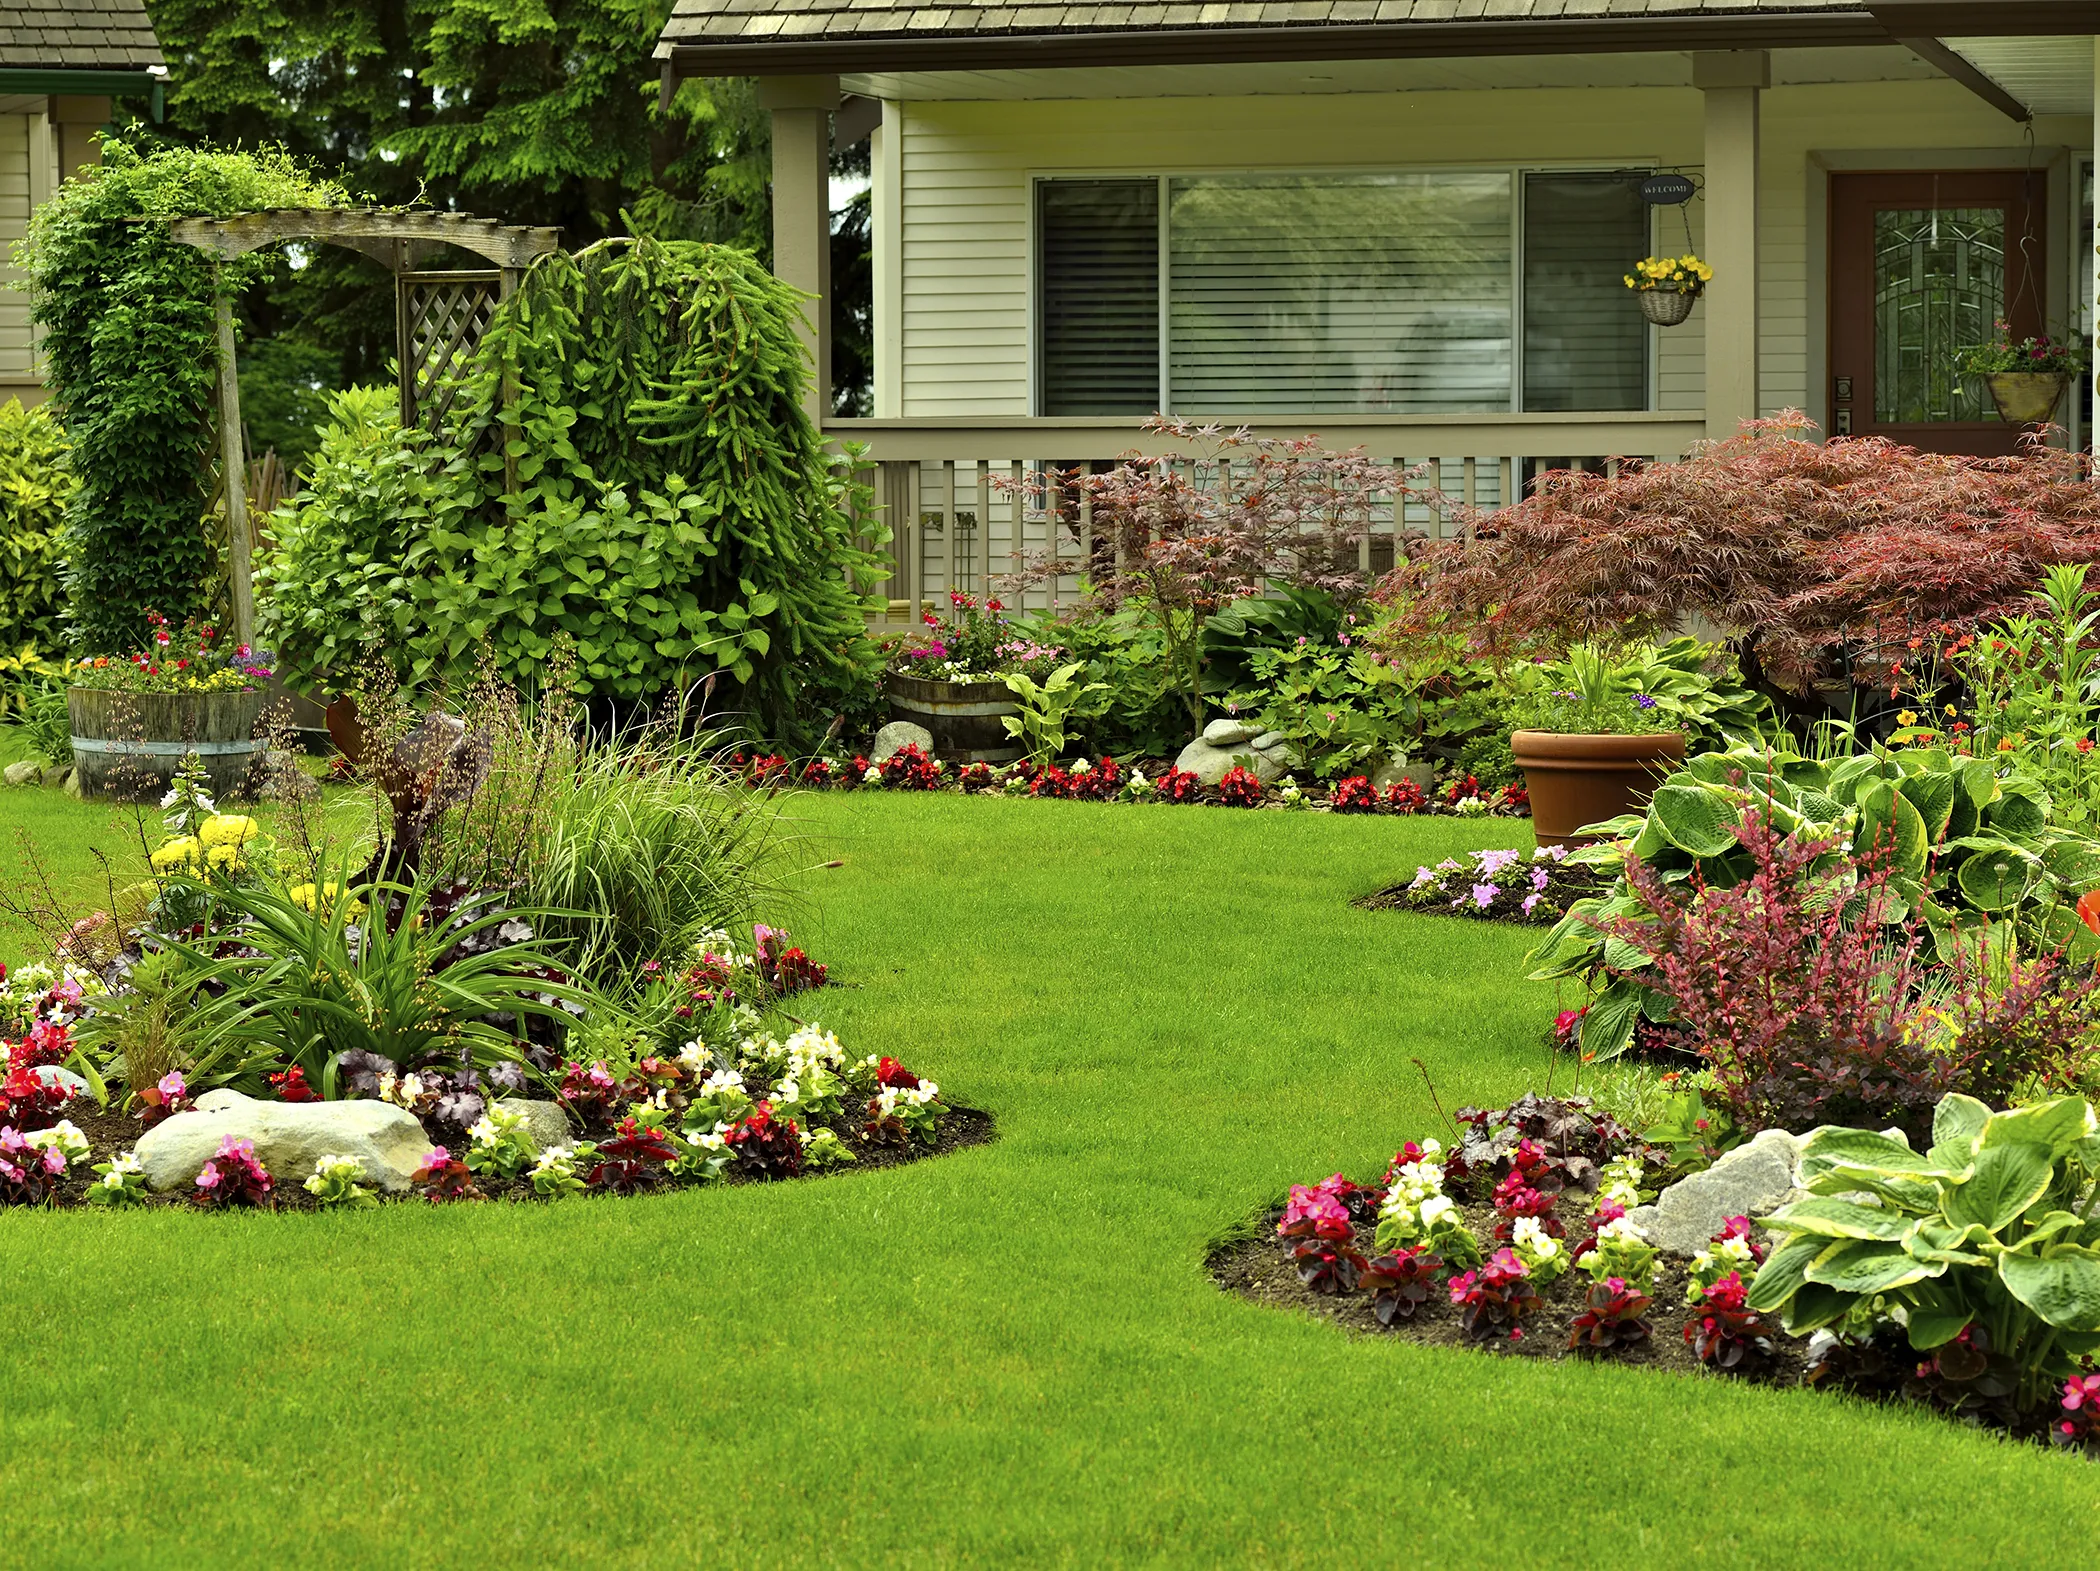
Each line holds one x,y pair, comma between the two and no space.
961,513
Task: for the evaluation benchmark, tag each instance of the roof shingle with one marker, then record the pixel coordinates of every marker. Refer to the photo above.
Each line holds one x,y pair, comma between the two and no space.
77,35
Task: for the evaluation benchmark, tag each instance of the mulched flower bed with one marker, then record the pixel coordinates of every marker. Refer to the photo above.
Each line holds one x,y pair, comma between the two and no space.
1528,889
109,1132
1261,1268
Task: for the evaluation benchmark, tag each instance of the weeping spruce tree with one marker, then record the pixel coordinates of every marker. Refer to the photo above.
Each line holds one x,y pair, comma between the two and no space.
644,481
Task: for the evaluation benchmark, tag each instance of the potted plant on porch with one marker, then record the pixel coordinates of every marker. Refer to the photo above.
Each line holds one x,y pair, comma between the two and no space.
1594,740
949,677
136,716
1667,287
2026,379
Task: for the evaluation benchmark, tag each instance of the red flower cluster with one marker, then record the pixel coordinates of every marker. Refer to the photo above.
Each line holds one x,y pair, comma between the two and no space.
1240,788
1178,785
909,769
1356,794
444,1177
1097,783
888,1072
1515,1197
46,1043
1405,796
292,1087
817,772
1494,1300
766,1147
28,1101
1458,790
787,970
633,1157
1727,1331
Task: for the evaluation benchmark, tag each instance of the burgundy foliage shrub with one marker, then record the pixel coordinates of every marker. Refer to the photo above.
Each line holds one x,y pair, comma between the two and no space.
1612,1318
1494,1300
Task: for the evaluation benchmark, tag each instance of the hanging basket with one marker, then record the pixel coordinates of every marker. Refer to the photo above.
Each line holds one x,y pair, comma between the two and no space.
2026,397
1666,307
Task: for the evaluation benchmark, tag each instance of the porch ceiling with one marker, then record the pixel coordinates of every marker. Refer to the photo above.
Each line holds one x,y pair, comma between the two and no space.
1254,78
2051,76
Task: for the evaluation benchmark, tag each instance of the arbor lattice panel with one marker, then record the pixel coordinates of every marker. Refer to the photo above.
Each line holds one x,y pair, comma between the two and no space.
442,318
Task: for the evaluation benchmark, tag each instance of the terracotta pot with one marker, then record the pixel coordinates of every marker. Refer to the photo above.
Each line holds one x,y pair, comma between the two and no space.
2026,397
345,730
964,717
1578,780
127,746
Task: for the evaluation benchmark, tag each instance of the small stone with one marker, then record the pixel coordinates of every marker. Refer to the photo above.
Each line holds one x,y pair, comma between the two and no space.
74,788
897,736
546,1122
27,772
1389,774
290,1137
57,774
59,1075
1227,733
1212,764
1267,740
1753,1180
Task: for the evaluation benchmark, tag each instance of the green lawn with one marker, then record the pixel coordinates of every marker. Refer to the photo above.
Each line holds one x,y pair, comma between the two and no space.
1007,1356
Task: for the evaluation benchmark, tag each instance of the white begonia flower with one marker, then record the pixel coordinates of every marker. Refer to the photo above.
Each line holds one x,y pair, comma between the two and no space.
722,1080
127,1162
1623,1227
873,775
1736,1249
1138,780
1436,1208
484,1132
1082,768
694,1054
113,1179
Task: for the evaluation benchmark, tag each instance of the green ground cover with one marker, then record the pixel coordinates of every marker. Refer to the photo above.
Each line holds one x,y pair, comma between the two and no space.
1010,1355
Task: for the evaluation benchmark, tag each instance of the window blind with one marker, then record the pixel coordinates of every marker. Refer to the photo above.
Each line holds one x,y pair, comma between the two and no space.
1585,340
1097,265
1309,294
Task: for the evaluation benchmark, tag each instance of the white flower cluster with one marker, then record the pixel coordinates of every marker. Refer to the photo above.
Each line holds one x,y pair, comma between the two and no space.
1290,796
1622,1229
65,1138
1544,1256
401,1090
1415,1203
124,1167
1716,1261
890,1099
1620,1182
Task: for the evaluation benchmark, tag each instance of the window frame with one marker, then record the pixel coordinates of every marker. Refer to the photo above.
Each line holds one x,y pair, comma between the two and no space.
1516,171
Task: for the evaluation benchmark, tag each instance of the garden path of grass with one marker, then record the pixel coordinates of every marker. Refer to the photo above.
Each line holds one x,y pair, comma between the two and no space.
1011,1355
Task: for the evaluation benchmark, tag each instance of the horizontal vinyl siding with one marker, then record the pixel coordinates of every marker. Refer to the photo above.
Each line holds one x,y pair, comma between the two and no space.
14,224
967,166
1680,355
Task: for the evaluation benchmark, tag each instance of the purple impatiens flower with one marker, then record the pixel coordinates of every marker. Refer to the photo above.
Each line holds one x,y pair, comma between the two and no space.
1484,895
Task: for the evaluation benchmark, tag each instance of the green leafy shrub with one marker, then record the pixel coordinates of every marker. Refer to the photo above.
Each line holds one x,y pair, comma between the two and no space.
131,351
36,483
1990,1228
337,589
1969,848
1684,685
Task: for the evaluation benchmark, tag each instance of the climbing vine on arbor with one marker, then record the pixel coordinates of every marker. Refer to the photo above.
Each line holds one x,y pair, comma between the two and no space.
674,512
130,352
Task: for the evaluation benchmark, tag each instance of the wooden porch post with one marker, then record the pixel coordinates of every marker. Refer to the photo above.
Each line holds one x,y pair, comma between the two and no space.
1731,82
2092,262
234,464
801,107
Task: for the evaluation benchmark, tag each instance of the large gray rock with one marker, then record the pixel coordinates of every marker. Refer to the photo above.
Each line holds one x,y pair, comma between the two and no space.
897,736
290,1137
1212,764
24,773
1228,733
546,1122
1752,1180
59,1075
1389,774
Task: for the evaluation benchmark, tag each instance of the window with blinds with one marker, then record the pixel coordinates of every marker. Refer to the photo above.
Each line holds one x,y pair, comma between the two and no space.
1397,293
1097,309
1330,293
1585,340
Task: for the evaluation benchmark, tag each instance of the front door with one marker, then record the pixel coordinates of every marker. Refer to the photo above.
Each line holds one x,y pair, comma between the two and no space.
1921,268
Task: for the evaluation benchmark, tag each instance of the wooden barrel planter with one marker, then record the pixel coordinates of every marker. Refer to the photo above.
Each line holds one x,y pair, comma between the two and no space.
1576,780
127,746
963,717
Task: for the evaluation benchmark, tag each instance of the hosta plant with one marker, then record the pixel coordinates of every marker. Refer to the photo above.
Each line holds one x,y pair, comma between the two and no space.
1965,846
1611,1318
1993,1226
1400,1283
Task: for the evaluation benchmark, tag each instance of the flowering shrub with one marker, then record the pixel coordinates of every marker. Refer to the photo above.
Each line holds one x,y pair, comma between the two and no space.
1611,1318
28,1100
1400,1283
899,1113
335,1183
28,1173
186,659
1240,788
122,1182
1506,885
786,969
234,1177
1494,1300
1179,785
554,1173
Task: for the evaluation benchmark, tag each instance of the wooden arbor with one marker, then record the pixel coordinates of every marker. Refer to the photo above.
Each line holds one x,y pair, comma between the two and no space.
439,316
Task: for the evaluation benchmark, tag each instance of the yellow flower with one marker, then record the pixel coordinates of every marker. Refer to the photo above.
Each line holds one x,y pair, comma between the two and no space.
186,853
1907,717
226,857
228,829
306,897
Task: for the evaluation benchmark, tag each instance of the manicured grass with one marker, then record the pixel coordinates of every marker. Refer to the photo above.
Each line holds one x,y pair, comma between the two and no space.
1011,1355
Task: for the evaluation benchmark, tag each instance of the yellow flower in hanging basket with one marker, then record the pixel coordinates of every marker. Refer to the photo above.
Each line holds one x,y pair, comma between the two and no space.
1683,275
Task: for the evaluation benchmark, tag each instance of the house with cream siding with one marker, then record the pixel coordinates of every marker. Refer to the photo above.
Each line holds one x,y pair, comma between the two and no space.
1406,223
68,68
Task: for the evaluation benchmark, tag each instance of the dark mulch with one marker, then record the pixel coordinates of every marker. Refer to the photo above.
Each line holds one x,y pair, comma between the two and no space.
109,1132
1259,1267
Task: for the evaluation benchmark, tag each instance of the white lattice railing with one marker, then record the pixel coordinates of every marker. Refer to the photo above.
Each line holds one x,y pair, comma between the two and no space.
961,513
